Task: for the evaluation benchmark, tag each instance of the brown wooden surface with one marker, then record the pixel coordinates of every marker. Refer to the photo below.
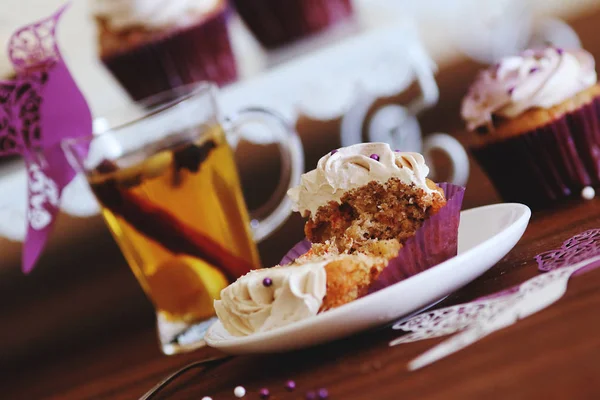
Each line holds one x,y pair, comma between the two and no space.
80,328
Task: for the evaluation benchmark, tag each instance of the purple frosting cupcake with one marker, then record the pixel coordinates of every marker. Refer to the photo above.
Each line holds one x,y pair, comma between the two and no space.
535,119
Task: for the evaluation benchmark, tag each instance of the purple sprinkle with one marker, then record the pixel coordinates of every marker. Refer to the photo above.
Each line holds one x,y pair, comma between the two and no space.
333,152
559,50
323,394
311,395
374,157
533,70
397,151
511,90
267,282
290,385
264,393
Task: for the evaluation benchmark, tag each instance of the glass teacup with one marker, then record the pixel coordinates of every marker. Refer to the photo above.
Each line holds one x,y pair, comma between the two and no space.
165,177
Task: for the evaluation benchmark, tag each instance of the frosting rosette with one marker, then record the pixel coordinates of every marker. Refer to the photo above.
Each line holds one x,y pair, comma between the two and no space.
270,298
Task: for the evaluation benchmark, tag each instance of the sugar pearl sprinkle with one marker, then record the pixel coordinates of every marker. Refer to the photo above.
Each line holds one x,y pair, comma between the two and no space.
267,282
264,393
588,193
374,157
239,392
207,398
290,385
323,394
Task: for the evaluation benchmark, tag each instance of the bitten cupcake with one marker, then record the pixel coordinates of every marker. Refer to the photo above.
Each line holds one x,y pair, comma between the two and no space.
367,200
364,194
537,124
151,46
275,22
373,219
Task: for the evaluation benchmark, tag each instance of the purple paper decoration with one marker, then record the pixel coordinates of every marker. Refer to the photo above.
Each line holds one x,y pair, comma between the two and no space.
38,109
574,250
577,255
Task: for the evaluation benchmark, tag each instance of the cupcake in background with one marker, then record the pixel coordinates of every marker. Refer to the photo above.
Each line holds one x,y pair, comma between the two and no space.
276,22
537,124
151,46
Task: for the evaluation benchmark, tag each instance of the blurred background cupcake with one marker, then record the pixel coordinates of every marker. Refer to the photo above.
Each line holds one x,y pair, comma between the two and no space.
278,22
536,118
154,45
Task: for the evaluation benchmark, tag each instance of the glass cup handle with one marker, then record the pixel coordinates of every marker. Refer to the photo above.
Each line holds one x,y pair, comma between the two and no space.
262,126
455,152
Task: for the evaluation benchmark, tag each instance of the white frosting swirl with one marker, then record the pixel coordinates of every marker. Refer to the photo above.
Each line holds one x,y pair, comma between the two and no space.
536,78
352,167
248,306
122,14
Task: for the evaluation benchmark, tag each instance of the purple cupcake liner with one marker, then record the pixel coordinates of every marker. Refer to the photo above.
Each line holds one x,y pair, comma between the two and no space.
275,22
298,250
201,52
435,242
549,163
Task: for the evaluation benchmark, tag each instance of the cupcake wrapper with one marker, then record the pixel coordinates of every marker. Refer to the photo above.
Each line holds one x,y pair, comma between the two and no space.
547,164
276,22
198,53
435,242
299,249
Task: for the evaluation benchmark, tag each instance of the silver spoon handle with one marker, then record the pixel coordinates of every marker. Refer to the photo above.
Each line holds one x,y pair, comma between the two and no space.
163,383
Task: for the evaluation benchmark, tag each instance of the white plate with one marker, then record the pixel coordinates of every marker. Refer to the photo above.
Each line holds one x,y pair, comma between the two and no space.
485,235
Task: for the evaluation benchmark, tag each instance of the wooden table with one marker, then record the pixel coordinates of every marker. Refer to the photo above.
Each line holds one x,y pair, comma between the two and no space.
551,355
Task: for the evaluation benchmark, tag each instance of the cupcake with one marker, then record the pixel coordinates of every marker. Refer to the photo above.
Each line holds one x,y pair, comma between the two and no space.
373,219
151,46
365,194
535,120
275,22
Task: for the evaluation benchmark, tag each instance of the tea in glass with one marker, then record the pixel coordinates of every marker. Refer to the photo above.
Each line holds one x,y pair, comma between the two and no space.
168,188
